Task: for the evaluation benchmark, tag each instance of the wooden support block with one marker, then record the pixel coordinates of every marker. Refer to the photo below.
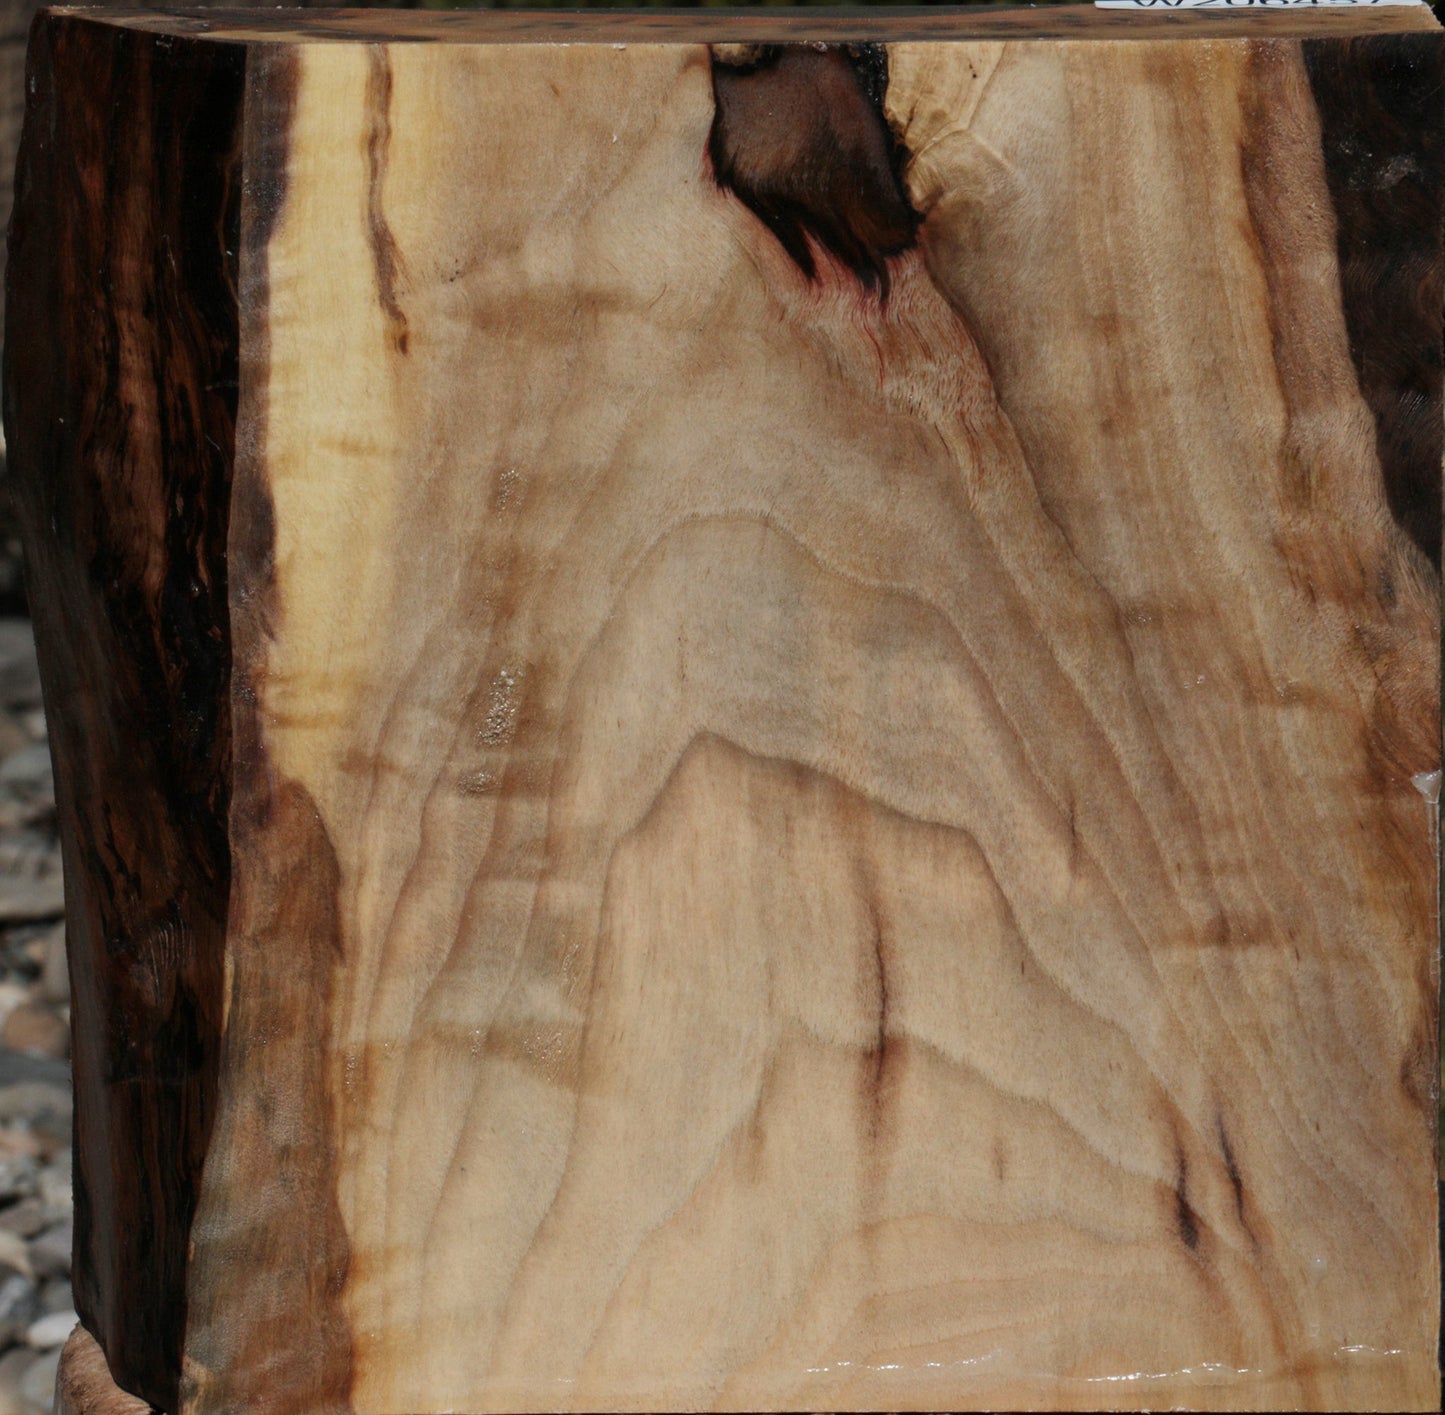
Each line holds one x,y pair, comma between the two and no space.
746,708
84,1385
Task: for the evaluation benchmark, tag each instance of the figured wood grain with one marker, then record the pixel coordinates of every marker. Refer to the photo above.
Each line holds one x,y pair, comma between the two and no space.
16,18
834,718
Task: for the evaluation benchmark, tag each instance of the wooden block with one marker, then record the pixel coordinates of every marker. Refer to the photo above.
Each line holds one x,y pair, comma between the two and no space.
746,708
84,1386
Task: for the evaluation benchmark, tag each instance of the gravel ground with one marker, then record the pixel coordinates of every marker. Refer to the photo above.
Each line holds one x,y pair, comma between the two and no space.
36,1305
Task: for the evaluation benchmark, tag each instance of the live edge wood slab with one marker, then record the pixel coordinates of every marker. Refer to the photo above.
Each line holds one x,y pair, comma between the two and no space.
746,707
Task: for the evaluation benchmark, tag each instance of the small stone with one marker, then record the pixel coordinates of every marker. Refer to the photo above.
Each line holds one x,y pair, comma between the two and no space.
12,994
54,966
13,1366
14,1141
42,1110
51,1330
34,1028
49,1252
23,900
31,850
26,1099
19,1176
19,670
53,1130
37,1385
25,1219
14,733
57,1295
15,1069
28,771
54,1185
19,1305
15,959
13,1254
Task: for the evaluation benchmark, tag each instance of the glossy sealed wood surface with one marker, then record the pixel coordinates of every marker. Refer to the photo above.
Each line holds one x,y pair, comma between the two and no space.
829,752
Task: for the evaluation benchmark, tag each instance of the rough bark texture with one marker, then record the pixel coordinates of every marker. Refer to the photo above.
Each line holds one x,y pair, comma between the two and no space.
1379,101
831,649
120,408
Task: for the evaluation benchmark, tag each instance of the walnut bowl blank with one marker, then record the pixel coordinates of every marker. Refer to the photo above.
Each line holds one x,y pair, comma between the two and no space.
745,707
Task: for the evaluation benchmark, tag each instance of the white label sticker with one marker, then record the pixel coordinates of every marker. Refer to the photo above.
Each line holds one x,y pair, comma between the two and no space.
1239,4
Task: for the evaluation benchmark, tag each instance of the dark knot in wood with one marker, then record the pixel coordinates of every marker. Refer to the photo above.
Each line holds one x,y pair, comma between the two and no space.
801,137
